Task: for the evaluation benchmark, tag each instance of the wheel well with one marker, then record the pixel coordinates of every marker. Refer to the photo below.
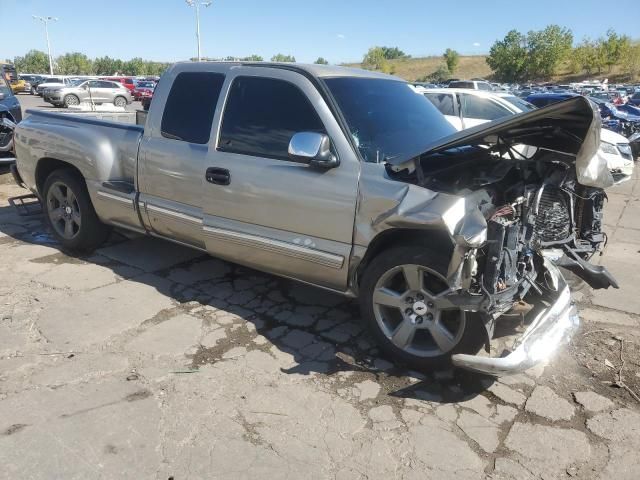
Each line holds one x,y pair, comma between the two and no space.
436,239
46,166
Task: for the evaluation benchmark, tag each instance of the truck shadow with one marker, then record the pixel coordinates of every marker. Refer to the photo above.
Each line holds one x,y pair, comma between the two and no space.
320,331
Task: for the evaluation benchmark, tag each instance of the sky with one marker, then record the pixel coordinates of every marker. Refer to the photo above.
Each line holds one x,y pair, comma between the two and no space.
338,30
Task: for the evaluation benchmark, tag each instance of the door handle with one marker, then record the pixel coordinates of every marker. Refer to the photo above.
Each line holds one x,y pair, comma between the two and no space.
219,176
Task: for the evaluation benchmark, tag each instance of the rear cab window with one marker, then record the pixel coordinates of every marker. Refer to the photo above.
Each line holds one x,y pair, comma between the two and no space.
191,105
261,116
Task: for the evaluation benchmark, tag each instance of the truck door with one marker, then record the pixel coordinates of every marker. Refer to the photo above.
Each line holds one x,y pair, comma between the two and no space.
173,155
262,209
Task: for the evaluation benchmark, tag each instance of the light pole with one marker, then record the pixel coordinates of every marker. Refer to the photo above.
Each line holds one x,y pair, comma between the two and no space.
197,4
46,21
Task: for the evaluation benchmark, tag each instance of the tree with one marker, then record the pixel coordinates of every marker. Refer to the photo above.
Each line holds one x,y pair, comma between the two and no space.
254,58
280,57
105,66
546,49
630,59
135,66
321,61
613,47
34,61
375,59
452,58
391,53
508,57
439,76
74,64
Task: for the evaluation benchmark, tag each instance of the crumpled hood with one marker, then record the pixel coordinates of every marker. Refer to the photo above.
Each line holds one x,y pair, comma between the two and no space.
571,127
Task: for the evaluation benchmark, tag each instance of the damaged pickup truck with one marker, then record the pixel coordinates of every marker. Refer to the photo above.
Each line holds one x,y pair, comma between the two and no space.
351,181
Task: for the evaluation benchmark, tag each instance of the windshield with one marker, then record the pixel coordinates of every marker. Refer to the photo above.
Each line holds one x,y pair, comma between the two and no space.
519,103
387,118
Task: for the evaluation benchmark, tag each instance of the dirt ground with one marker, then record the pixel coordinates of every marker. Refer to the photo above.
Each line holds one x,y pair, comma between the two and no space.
148,360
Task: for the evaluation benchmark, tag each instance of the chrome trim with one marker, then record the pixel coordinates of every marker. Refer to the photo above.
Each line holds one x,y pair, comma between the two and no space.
552,328
276,246
173,214
117,198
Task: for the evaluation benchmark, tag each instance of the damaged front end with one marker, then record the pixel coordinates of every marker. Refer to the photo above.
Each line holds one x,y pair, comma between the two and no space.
519,198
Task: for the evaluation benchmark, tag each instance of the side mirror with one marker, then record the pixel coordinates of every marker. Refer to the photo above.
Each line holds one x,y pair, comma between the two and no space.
313,149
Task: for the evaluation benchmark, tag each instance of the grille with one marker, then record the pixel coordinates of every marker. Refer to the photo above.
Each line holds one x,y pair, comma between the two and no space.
553,222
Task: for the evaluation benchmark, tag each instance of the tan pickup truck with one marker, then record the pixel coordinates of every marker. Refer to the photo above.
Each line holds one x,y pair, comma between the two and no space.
351,181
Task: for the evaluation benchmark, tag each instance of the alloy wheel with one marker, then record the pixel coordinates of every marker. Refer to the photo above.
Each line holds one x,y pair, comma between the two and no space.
411,309
63,210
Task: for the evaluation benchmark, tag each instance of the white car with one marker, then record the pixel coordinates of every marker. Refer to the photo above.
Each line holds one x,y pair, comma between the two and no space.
53,82
467,108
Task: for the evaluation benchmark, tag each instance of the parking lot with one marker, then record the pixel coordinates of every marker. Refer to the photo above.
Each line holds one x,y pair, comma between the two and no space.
149,360
32,101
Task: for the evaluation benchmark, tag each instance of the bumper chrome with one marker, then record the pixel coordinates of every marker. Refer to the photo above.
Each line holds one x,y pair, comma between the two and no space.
549,330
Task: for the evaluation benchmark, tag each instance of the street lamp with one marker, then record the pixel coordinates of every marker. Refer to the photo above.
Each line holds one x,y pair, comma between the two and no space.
46,21
198,4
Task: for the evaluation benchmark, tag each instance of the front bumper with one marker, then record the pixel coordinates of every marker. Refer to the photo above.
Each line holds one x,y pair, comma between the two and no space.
551,329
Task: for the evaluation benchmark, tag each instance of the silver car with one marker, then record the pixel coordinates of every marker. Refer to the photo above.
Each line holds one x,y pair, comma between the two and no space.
90,91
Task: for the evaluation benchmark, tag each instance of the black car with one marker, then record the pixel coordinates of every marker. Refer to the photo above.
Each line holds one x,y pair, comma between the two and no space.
11,111
33,81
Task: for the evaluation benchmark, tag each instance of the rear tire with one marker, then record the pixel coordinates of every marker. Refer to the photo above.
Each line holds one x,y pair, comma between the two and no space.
401,305
120,102
70,213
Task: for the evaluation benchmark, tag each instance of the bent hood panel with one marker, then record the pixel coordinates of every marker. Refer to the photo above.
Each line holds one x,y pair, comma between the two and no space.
571,127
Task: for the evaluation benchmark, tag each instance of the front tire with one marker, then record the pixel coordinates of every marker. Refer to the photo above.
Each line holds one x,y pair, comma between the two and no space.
402,301
70,213
71,100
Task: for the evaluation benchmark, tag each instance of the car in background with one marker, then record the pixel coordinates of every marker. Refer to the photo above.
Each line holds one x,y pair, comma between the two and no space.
10,76
95,91
471,85
465,109
635,99
32,82
143,89
10,115
128,82
52,82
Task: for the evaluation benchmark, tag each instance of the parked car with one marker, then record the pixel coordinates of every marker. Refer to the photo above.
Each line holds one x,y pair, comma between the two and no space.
635,99
143,89
352,181
52,82
471,84
95,91
10,75
465,108
32,82
128,82
10,115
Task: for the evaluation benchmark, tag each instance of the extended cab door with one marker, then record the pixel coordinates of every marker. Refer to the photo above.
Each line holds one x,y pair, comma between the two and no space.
174,153
262,209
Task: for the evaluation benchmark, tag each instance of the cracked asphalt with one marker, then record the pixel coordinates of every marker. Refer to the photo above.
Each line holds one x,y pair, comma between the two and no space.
148,360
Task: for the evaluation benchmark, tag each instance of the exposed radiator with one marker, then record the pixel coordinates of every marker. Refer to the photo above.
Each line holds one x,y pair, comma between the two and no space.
553,222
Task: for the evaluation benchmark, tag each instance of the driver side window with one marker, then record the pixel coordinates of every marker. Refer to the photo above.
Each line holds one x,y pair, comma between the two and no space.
261,116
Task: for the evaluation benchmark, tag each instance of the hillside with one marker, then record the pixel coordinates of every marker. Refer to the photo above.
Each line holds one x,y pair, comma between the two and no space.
476,66
413,68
